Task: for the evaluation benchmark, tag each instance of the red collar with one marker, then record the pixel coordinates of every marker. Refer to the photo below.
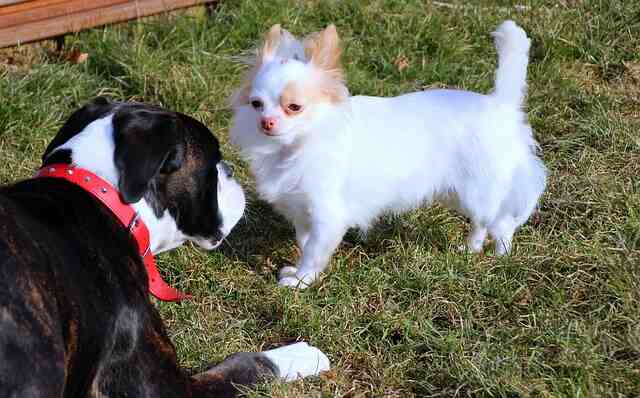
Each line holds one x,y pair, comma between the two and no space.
128,217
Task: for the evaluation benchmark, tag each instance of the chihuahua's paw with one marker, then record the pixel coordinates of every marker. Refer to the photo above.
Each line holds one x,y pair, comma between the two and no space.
293,281
287,271
287,277
470,248
294,277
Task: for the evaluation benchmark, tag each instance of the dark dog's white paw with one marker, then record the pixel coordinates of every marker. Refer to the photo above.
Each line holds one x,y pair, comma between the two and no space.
298,360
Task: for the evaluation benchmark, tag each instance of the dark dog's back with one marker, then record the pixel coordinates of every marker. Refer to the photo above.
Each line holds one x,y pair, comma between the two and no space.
68,316
32,339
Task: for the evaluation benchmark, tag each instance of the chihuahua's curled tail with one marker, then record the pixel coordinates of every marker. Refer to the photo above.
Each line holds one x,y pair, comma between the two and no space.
513,45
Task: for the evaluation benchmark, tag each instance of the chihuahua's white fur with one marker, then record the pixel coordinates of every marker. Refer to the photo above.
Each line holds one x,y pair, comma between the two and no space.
342,163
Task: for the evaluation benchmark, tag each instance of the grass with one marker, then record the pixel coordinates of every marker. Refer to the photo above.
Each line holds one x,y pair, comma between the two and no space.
401,313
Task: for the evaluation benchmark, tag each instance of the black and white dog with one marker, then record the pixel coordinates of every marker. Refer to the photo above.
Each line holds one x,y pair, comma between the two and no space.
75,315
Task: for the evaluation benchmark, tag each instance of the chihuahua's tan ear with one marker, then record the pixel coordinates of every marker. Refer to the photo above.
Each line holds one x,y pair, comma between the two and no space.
323,49
271,42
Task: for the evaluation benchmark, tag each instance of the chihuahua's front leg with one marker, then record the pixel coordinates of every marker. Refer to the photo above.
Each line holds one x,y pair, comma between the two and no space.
325,236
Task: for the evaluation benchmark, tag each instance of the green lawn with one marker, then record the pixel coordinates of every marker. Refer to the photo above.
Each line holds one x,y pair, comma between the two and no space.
401,313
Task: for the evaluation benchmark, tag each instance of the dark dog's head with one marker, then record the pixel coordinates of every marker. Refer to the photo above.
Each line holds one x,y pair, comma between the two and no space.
166,164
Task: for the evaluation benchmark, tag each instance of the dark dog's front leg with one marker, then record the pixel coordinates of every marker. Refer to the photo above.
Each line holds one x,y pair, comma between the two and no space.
247,368
241,369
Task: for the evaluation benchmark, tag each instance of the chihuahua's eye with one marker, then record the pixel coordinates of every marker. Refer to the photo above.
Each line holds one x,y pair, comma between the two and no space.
256,104
294,108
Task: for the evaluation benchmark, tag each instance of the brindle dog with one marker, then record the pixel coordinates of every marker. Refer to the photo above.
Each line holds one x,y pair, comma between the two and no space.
75,315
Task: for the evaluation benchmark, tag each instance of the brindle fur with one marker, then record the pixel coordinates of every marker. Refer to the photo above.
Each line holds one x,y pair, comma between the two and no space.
75,316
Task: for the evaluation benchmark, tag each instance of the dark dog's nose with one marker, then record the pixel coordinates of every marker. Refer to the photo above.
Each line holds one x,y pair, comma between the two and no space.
227,169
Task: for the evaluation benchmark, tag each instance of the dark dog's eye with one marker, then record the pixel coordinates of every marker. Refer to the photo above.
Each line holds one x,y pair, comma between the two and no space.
256,104
294,108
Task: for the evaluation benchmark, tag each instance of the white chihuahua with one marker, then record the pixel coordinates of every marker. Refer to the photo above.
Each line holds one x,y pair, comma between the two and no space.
328,161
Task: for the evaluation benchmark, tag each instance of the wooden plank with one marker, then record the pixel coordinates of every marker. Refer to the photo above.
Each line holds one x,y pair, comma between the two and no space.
21,34
51,10
28,5
9,2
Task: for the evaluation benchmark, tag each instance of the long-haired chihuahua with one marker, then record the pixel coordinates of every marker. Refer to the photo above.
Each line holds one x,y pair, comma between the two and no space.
329,161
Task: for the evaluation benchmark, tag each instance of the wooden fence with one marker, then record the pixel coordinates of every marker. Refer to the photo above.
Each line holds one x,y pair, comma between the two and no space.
25,21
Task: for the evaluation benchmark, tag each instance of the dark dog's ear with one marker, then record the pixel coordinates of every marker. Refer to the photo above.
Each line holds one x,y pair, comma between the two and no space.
147,143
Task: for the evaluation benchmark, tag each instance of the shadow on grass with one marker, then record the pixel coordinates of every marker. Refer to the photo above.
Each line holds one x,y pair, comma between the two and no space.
265,241
261,238
428,227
